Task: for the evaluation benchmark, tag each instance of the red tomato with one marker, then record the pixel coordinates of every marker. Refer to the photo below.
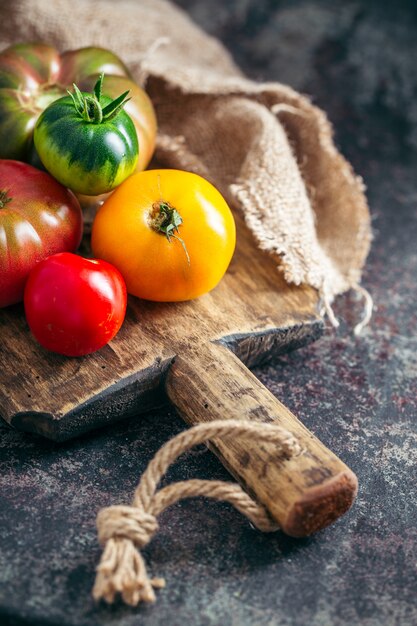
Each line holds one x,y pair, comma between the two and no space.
38,217
73,305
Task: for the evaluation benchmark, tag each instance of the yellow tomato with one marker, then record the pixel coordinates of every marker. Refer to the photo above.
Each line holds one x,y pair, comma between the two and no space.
170,233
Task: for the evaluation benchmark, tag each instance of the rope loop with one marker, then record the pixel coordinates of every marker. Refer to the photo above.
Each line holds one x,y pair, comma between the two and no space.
124,530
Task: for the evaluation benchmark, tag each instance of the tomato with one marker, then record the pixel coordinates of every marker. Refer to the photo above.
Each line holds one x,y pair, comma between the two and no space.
87,141
142,113
170,233
32,76
38,217
73,305
139,107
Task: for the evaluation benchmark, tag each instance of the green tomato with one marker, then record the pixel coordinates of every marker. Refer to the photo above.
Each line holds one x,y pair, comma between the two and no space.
87,141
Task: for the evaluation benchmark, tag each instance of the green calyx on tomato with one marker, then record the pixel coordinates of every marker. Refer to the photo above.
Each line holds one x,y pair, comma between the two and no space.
87,141
165,219
4,199
89,107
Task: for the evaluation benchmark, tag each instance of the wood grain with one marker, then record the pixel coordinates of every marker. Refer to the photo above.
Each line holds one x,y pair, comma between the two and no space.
303,493
252,315
253,311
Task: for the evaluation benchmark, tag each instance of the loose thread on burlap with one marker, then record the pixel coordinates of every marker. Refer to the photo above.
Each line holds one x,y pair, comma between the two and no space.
368,305
124,530
327,308
367,309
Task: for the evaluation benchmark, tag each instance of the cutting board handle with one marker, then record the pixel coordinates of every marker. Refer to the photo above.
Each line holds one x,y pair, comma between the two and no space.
303,493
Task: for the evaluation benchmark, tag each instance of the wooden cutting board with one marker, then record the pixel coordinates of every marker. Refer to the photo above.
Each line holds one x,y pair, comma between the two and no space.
253,315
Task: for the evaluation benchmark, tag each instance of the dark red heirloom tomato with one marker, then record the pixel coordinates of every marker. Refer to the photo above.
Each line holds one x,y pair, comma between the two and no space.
38,217
74,305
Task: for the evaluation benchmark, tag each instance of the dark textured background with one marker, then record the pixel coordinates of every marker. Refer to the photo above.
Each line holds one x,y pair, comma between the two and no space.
358,61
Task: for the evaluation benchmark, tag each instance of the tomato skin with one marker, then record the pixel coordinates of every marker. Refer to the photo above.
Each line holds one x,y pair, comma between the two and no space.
24,71
33,75
74,306
88,158
153,267
41,218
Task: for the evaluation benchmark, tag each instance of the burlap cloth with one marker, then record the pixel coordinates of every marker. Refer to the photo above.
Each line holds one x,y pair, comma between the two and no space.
264,146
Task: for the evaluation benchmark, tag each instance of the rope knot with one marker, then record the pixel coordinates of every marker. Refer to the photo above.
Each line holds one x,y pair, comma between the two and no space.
126,522
123,530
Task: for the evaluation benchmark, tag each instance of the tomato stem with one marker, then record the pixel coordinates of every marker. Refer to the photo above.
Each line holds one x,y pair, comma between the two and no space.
4,198
165,219
88,106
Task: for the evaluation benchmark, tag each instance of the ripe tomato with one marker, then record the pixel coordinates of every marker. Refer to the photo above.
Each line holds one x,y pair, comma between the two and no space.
33,75
170,233
87,141
38,217
74,305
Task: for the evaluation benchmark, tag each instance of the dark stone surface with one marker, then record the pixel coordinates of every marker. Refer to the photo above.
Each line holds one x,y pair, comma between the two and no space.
357,59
